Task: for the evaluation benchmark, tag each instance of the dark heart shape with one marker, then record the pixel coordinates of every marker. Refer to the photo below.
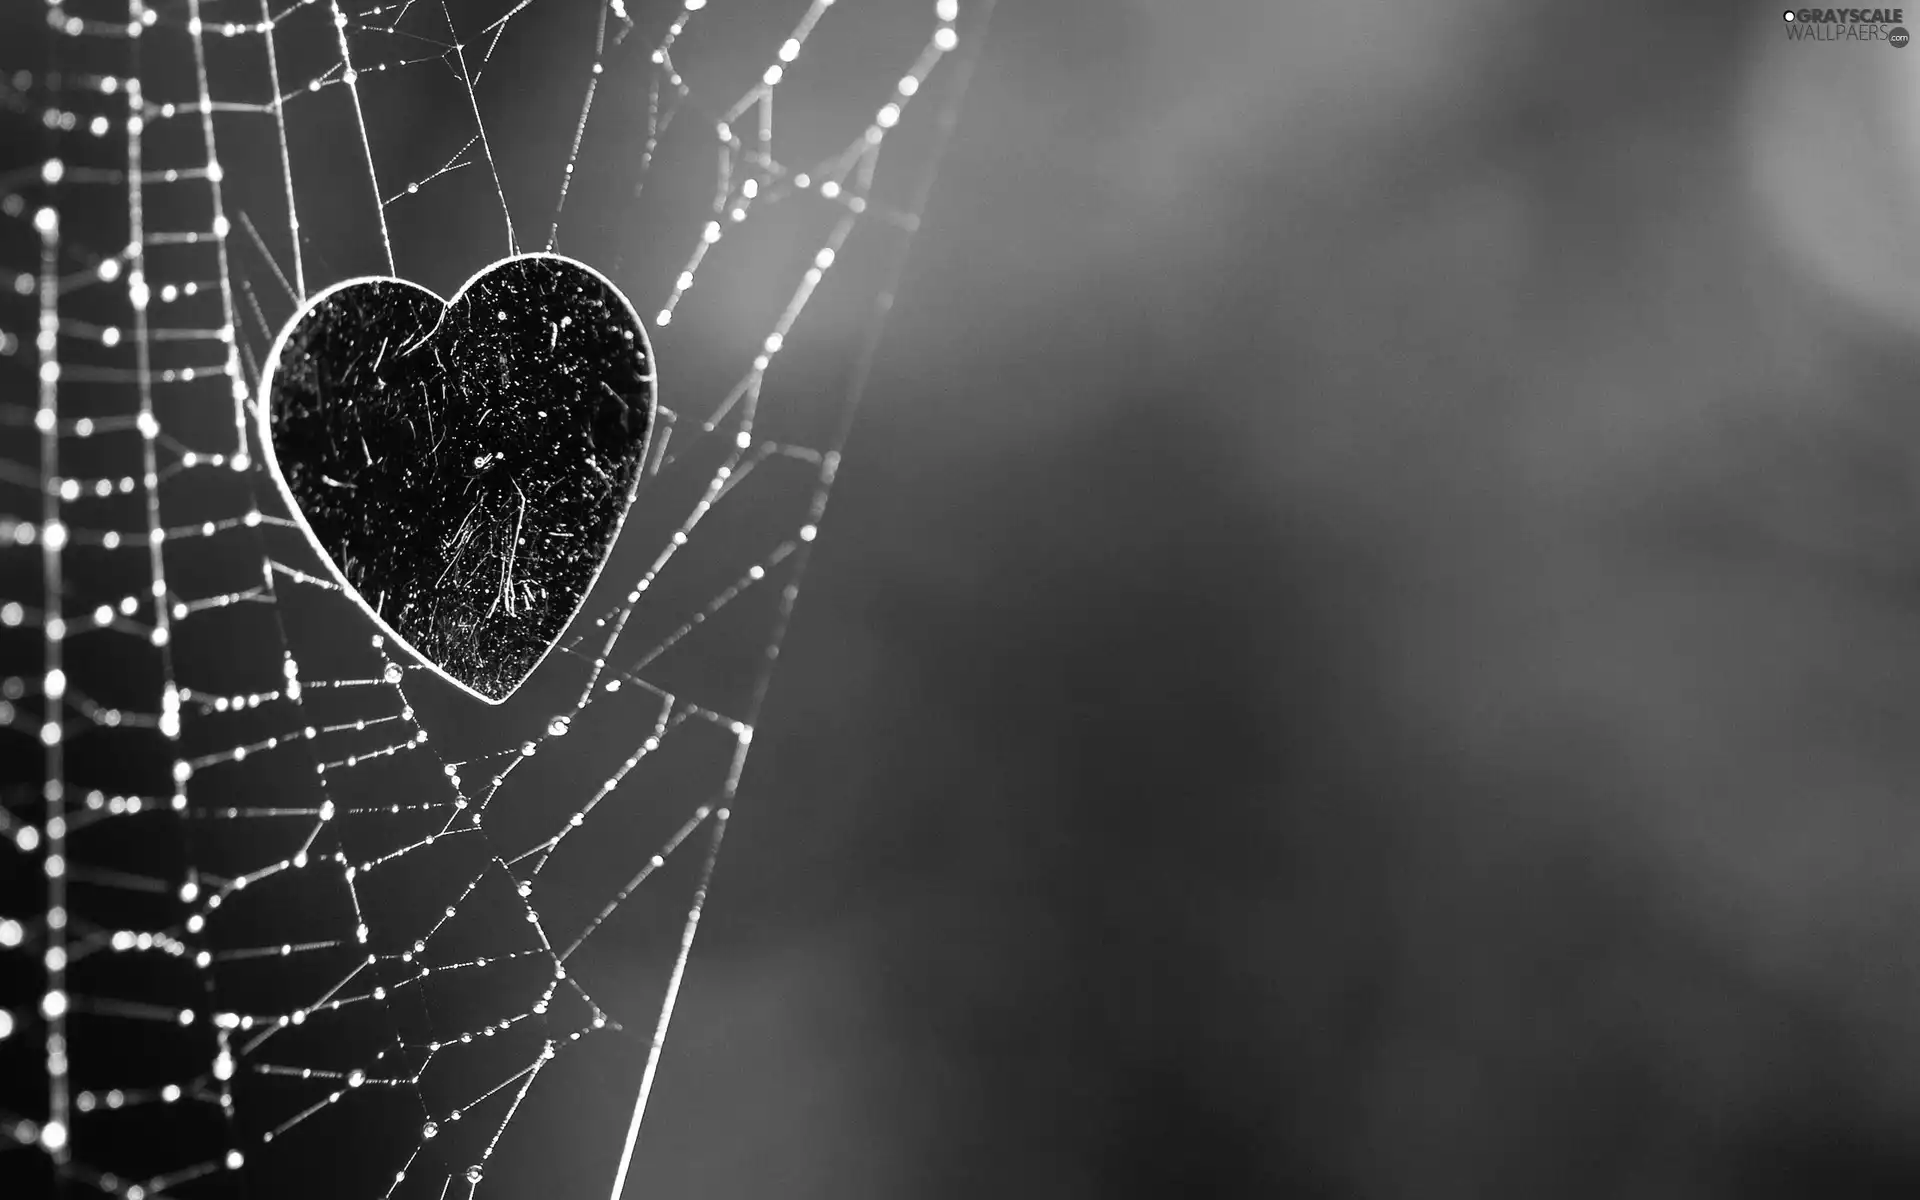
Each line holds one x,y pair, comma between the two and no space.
464,466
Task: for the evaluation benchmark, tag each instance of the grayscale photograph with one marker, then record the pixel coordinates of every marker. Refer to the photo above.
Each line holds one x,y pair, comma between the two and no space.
940,599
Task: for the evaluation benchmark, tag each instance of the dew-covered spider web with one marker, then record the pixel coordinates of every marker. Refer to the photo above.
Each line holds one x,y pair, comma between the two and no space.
281,912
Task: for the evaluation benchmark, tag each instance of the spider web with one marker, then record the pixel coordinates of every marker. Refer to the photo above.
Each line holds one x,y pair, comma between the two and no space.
280,912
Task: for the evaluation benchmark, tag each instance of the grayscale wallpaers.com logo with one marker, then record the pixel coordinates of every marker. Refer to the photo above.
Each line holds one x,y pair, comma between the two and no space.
1847,25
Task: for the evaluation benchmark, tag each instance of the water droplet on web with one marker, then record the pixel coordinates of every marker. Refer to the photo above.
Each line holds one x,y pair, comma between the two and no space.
392,673
474,1173
356,1077
559,726
429,1130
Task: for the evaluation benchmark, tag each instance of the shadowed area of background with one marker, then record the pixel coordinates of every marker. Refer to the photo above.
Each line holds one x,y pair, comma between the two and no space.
1366,643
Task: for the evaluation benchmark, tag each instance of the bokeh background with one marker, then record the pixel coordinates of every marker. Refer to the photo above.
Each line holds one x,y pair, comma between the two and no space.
1365,645
1367,649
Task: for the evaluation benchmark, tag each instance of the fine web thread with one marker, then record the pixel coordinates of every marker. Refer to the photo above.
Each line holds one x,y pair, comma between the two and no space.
144,358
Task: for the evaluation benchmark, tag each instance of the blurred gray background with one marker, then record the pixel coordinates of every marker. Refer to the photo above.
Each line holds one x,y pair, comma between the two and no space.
1368,648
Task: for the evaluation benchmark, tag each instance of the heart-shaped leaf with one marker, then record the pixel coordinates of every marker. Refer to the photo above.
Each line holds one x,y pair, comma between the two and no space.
464,466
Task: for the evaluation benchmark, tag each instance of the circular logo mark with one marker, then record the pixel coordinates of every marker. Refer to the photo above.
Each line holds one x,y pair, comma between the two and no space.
1898,36
1787,16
